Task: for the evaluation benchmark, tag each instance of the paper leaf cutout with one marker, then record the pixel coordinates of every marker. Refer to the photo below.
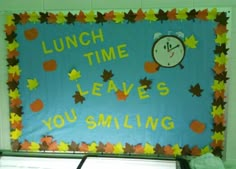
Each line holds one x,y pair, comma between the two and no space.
168,150
12,54
158,149
109,148
24,18
218,152
46,139
219,102
222,18
34,17
43,146
25,145
11,37
221,38
17,110
186,150
221,49
12,84
107,75
12,46
218,85
205,150
73,146
219,94
14,118
90,17
121,95
218,136
81,17
100,18
191,42
14,94
15,102
70,18
74,74
43,17
10,20
177,150
212,14
138,149
202,14
78,97
140,15
109,16
14,70
34,146
218,119
182,14
150,15
221,60
52,18
221,29
63,146
217,111
218,68
192,14
129,148
172,14
13,63
151,67
37,105
92,148
119,17
146,82
196,151
148,149
32,84
101,147
118,149
218,128
162,15
60,18
130,16
53,146
17,125
196,90
15,134
216,144
15,145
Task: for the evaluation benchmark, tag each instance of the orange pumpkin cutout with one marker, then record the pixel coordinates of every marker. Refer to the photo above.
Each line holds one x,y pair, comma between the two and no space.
31,34
50,65
36,106
197,126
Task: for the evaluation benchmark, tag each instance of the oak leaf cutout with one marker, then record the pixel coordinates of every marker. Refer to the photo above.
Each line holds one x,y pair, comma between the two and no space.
196,90
17,110
168,150
83,147
107,75
53,146
24,17
78,98
146,82
161,15
221,29
9,29
47,139
43,147
15,102
11,37
52,18
219,68
219,119
219,102
12,61
222,77
218,94
12,84
218,127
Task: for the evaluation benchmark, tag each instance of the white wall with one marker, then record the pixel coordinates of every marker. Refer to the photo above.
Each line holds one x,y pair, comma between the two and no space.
69,5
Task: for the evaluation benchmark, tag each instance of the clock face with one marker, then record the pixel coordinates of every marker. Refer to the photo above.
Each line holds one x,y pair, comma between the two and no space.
168,51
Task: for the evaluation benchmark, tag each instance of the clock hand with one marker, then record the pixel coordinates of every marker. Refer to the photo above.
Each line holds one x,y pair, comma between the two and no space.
174,47
167,44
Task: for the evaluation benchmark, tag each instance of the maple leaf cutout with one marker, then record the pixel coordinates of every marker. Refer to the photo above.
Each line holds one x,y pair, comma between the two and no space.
107,75
74,74
78,97
145,82
196,90
92,148
32,84
191,42
118,149
148,149
128,148
121,95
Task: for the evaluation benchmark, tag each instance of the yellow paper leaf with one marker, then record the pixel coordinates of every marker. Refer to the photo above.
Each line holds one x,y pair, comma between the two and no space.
14,94
15,134
221,60
150,15
177,150
118,149
12,46
217,111
218,136
14,118
218,85
182,14
212,14
191,42
90,17
32,84
60,18
222,38
119,17
92,148
34,146
34,17
148,149
15,70
206,150
74,74
10,21
63,146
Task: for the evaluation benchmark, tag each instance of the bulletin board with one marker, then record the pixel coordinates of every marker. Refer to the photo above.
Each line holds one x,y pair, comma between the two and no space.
146,82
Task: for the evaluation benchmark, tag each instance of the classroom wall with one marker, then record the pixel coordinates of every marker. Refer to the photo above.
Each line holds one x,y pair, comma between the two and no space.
7,6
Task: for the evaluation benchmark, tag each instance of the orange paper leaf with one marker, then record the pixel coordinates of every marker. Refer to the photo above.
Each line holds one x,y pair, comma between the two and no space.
219,94
139,149
12,54
202,14
219,119
47,139
151,67
121,95
109,16
220,29
140,15
109,148
168,150
81,17
17,125
196,151
53,146
16,102
9,29
218,143
14,77
24,18
172,14
219,68
52,18
83,147
25,145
